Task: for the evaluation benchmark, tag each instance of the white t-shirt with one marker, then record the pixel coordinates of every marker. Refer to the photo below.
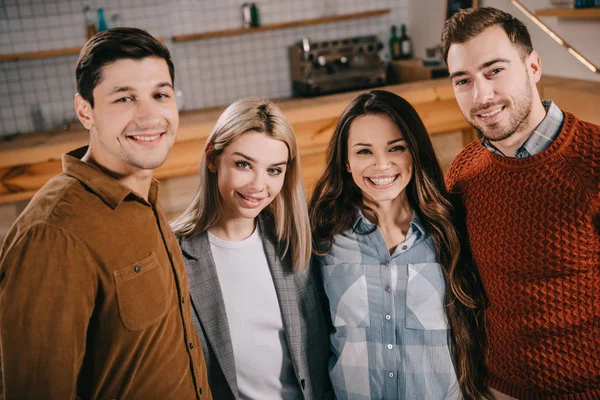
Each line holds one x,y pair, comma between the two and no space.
262,359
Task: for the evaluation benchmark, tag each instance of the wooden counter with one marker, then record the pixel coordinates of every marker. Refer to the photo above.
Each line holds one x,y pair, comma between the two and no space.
29,160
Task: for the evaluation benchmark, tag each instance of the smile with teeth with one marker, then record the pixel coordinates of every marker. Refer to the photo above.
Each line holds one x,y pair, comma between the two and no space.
146,138
383,181
491,113
251,199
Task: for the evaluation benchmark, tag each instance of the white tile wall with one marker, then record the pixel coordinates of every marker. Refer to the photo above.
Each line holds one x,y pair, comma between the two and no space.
209,72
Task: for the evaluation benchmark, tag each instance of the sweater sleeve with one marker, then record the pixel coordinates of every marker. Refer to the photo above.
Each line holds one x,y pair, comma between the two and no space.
47,295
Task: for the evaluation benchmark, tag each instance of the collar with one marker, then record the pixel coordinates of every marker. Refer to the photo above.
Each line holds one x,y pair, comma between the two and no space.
541,138
363,225
110,190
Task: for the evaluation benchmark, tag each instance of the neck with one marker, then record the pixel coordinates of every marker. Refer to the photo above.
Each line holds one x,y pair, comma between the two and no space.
392,214
511,144
138,181
234,229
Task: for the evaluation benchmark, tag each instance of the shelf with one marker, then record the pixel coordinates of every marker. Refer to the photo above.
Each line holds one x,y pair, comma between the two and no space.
45,54
39,54
569,12
283,25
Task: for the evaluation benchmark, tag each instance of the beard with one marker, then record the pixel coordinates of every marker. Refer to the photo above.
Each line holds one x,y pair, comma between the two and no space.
520,114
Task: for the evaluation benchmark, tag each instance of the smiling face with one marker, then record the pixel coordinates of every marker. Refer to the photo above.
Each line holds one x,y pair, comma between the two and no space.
134,119
494,85
379,159
250,174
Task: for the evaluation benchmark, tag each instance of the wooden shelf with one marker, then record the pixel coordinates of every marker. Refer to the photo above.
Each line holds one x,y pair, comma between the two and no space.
39,54
569,12
45,53
283,25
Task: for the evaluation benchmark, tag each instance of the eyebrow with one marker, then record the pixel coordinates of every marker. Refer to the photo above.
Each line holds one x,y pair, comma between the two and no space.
481,67
370,145
253,160
120,89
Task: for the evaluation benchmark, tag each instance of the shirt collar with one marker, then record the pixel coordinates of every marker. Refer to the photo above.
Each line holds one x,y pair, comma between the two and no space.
362,224
110,190
541,138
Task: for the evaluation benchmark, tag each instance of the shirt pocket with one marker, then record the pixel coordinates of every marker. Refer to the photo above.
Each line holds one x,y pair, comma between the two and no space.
141,294
425,297
346,289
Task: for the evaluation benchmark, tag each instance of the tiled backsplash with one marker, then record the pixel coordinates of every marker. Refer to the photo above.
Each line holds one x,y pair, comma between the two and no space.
38,94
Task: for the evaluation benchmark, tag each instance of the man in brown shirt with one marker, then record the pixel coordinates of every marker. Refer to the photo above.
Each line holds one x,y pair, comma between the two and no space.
94,299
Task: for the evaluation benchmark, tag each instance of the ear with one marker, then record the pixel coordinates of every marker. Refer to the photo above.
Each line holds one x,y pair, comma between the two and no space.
83,108
534,65
210,161
348,168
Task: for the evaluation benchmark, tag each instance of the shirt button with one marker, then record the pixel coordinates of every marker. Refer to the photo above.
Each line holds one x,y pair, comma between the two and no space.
200,391
404,247
390,346
388,288
388,317
137,268
182,300
387,263
391,374
191,345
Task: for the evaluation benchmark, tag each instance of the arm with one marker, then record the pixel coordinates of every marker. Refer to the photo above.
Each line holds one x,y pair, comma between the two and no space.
47,295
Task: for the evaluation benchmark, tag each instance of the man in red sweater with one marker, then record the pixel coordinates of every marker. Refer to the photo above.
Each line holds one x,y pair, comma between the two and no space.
531,192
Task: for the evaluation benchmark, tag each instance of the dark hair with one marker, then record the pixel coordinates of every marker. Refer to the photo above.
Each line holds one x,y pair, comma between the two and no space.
470,22
336,199
111,45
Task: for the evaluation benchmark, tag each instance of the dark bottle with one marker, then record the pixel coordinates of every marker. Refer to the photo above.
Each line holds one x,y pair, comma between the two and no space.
254,16
406,50
395,52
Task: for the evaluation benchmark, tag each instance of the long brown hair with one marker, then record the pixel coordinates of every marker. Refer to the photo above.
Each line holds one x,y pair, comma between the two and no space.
336,199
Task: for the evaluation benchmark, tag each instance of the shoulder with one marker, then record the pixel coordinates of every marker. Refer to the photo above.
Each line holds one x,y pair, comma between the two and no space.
584,153
464,162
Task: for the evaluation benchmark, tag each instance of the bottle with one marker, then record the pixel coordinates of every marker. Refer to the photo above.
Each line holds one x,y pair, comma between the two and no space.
102,26
254,17
90,24
394,45
405,44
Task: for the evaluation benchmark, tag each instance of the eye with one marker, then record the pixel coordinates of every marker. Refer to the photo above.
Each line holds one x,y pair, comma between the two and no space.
275,171
496,71
124,99
398,148
461,82
161,96
242,164
364,151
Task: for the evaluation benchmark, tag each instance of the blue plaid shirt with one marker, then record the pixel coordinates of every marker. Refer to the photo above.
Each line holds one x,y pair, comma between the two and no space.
541,138
391,338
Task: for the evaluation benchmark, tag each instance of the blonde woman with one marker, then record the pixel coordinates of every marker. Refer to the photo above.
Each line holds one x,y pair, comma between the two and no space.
246,242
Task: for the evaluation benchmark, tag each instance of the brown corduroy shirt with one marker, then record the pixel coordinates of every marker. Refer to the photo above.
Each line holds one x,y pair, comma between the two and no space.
94,298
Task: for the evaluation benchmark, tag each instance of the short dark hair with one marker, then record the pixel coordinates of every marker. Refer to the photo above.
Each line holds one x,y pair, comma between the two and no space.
111,45
470,22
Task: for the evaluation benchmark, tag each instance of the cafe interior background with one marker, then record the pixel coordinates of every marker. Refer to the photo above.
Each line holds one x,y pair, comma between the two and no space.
219,58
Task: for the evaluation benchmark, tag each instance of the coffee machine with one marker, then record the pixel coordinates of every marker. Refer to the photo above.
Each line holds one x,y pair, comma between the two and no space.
336,65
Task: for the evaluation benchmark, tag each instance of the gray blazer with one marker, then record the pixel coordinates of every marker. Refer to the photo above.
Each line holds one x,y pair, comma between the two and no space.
300,296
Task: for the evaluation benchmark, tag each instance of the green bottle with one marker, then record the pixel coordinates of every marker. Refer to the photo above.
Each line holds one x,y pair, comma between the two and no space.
395,50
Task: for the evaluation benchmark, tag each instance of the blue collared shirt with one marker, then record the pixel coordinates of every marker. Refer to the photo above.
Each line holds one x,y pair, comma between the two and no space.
391,338
541,138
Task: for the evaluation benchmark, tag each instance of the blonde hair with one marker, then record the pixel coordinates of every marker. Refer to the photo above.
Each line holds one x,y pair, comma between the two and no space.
289,209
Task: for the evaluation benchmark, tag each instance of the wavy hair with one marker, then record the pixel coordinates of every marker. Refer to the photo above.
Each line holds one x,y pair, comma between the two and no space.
336,199
289,210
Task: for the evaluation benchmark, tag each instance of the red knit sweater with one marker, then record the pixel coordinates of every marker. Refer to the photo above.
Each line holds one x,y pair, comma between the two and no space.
534,227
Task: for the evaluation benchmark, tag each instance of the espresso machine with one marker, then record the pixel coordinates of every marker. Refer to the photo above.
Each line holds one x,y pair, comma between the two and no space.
336,65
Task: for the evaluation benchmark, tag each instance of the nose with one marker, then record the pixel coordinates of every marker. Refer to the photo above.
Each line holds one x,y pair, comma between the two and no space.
483,91
382,161
146,115
257,184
